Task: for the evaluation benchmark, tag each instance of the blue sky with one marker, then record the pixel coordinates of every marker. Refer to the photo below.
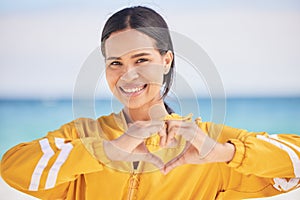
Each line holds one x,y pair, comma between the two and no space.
255,45
36,5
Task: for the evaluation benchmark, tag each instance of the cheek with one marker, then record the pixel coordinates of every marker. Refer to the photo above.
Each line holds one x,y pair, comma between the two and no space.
153,73
111,78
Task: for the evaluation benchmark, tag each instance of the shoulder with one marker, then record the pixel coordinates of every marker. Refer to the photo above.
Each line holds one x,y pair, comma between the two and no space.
81,127
218,132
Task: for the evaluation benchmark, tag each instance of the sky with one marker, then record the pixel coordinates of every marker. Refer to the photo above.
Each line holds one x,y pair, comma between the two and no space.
254,45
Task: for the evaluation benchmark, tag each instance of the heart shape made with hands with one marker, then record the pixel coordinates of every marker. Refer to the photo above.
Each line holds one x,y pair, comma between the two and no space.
163,144
175,143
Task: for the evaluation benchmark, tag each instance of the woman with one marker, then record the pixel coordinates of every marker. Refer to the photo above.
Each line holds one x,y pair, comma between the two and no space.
146,151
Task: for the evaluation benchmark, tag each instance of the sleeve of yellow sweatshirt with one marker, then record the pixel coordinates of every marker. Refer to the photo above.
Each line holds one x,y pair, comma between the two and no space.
45,167
261,157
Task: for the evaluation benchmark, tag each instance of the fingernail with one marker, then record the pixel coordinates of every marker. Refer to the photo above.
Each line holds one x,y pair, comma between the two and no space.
165,172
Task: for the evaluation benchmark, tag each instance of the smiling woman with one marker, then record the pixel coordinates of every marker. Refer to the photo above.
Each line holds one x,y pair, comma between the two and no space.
135,70
147,151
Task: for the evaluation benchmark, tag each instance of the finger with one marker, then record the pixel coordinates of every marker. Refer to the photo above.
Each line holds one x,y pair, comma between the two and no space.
178,161
186,129
173,127
111,151
178,123
173,143
188,133
153,159
148,123
163,136
143,130
171,132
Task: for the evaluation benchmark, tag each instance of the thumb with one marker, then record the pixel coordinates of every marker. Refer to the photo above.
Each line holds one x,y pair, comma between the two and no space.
175,162
153,159
129,124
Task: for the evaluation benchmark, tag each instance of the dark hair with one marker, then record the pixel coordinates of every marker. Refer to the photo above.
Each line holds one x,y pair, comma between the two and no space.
149,22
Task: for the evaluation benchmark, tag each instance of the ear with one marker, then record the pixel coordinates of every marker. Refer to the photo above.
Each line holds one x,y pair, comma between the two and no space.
168,59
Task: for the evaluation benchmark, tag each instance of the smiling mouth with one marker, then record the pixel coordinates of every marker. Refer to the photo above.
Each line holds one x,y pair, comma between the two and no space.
133,91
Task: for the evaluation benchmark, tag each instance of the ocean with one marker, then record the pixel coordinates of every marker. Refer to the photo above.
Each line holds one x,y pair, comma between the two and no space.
26,120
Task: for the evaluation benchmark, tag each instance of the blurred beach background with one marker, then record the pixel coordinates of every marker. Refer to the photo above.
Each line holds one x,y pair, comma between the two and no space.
255,46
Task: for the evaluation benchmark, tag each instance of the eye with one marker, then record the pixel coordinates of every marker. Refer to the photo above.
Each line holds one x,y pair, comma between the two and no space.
142,60
115,64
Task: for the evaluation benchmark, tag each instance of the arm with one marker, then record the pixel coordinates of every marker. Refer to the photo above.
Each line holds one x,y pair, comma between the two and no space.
259,158
259,153
252,164
45,167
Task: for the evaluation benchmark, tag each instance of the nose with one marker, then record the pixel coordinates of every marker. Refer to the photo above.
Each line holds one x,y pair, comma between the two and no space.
130,74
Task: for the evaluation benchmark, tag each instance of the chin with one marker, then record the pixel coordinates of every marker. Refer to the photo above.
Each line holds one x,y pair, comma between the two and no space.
134,105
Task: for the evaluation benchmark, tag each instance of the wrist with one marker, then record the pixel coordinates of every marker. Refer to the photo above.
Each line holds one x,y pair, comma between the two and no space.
228,150
222,153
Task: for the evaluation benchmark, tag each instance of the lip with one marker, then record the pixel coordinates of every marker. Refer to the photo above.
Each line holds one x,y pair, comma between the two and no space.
133,90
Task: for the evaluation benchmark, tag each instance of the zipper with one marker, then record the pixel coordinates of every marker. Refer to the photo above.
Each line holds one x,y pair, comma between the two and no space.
134,181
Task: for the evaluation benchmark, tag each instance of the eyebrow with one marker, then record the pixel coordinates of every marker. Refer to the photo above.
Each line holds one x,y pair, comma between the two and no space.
133,56
139,55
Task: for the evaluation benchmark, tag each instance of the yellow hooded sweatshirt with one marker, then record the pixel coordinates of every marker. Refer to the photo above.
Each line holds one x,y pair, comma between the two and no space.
62,166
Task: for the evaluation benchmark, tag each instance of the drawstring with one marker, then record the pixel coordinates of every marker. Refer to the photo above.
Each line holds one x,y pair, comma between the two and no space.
134,182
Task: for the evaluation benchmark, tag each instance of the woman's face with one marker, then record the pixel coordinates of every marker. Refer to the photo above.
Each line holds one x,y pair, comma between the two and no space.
135,68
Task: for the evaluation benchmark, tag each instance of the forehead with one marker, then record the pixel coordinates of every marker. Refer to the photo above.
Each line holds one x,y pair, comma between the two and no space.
123,42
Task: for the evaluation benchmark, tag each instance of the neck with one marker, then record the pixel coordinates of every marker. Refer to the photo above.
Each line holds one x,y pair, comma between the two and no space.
145,113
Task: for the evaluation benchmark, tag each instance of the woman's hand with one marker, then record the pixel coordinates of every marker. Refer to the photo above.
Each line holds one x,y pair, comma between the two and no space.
199,148
131,145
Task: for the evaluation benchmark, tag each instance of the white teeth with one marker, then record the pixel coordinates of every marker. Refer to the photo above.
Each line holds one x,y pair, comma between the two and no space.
132,90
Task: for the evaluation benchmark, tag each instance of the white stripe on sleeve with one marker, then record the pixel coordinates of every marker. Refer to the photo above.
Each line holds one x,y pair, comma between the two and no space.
62,157
37,173
282,184
293,156
275,136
